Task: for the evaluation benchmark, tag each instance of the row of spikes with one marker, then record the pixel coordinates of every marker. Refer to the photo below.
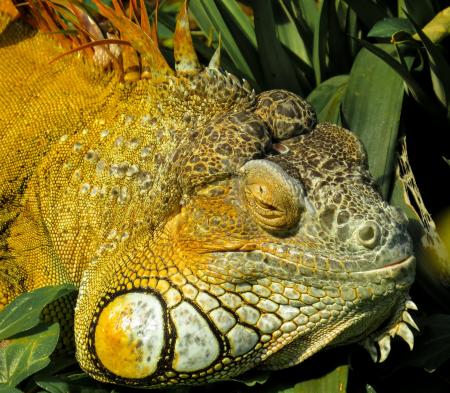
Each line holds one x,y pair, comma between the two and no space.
132,48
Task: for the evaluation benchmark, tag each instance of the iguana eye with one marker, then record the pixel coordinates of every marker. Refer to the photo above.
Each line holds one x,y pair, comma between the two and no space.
273,198
262,201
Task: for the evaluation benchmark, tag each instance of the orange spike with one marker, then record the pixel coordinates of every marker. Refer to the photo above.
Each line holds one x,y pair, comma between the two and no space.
154,32
7,7
90,45
131,15
133,3
130,57
35,20
145,23
118,7
138,39
186,61
76,40
47,16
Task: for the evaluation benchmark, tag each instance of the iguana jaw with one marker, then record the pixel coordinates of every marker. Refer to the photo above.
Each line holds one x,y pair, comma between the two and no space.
286,262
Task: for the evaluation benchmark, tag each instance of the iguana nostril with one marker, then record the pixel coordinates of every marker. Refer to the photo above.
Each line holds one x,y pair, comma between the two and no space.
369,234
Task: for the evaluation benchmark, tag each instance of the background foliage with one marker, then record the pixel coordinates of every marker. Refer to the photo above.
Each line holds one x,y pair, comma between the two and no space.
365,65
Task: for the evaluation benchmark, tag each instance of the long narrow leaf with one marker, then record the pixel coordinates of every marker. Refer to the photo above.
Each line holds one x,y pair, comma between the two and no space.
327,97
241,19
310,10
371,109
277,67
320,37
351,28
419,94
338,58
368,11
209,19
333,382
440,69
292,37
422,11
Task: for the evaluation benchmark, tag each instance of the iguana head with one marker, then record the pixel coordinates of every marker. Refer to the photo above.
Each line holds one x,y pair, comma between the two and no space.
271,243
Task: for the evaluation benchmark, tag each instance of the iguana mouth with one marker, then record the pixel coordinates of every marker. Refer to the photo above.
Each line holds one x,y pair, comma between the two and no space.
398,264
399,261
320,262
289,262
404,265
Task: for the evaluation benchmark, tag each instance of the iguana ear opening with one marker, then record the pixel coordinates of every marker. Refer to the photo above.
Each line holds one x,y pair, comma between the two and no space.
274,199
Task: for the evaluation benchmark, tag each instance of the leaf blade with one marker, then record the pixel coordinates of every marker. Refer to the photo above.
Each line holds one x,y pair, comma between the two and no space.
24,356
277,67
371,108
319,42
23,313
209,17
333,382
387,27
327,97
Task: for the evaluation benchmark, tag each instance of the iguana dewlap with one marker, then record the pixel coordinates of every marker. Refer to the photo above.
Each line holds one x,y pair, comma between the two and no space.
209,230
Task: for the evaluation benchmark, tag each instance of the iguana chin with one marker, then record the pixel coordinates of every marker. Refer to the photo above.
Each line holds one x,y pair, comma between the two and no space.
209,230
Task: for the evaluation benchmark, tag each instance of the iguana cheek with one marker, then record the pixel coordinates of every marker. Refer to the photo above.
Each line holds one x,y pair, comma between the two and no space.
129,337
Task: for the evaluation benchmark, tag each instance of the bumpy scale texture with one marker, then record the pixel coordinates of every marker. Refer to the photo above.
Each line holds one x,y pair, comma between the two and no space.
210,230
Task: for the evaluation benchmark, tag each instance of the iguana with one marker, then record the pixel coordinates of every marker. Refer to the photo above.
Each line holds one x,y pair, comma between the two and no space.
209,229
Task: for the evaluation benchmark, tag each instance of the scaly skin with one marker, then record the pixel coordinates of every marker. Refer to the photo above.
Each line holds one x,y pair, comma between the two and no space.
209,230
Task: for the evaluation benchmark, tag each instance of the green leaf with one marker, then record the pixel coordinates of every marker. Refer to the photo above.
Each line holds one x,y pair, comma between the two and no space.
440,68
58,364
352,30
241,19
209,18
416,90
54,385
327,97
291,36
75,383
9,389
253,377
309,10
368,11
387,27
333,382
320,37
277,67
23,313
422,11
24,356
371,109
338,59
